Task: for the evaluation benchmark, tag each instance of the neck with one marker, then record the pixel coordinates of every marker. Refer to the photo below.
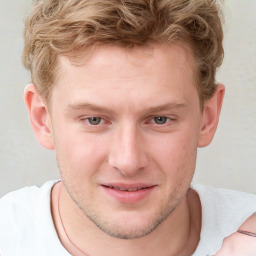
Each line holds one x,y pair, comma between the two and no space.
178,235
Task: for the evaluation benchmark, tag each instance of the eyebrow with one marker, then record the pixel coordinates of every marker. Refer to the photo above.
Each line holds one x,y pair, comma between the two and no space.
88,106
166,107
154,109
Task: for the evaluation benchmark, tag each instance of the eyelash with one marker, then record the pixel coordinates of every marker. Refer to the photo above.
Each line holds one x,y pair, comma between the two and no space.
166,120
86,121
103,121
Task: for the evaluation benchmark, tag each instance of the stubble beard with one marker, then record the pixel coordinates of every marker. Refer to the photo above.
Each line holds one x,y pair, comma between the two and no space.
119,231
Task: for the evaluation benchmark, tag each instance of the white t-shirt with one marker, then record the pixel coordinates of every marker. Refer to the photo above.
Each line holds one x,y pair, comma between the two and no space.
27,229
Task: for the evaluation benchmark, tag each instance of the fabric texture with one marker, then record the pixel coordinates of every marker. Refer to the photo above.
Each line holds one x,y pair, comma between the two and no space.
223,212
27,228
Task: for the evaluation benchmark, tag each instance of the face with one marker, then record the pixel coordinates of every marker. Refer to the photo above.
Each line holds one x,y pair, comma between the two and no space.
125,127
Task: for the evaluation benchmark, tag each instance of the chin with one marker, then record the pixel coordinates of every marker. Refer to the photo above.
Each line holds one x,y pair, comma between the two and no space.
131,225
127,230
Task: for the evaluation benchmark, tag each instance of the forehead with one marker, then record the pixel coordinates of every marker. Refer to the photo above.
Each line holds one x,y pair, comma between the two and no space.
112,74
111,59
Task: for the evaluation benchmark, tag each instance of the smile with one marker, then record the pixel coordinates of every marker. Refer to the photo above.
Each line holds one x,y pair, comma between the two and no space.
128,194
127,189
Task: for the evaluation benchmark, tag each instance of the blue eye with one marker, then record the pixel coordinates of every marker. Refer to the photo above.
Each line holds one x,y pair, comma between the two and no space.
160,119
94,120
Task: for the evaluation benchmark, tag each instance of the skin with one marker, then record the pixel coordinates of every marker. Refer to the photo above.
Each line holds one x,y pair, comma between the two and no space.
238,244
126,90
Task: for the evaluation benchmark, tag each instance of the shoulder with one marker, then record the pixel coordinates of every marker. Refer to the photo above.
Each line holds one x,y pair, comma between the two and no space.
24,200
21,199
216,194
223,211
235,206
19,211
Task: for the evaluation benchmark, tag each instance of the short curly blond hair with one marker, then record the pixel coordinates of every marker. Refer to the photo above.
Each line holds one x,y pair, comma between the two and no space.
57,27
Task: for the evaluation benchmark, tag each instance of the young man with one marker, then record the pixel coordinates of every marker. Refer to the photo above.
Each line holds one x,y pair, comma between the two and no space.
124,91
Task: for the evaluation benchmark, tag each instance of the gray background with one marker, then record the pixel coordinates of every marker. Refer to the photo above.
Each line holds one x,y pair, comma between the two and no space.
228,162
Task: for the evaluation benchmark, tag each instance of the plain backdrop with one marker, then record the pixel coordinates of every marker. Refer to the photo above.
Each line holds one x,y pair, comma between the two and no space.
228,162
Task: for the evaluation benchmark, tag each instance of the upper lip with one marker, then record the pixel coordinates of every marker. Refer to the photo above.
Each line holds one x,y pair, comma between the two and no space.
131,187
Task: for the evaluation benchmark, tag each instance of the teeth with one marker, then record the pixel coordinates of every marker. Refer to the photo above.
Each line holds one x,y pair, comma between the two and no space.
126,189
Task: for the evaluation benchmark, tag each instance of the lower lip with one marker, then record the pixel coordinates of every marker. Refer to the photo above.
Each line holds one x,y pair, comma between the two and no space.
129,197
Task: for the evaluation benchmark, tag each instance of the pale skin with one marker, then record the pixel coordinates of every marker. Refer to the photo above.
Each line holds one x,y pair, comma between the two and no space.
126,119
238,244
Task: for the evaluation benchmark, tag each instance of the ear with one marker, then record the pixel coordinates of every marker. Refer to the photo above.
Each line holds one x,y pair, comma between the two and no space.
39,117
210,117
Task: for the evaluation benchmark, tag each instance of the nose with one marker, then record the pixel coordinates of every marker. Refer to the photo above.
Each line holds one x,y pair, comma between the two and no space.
128,151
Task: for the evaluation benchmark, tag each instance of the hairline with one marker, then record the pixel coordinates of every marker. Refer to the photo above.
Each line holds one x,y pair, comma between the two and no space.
85,54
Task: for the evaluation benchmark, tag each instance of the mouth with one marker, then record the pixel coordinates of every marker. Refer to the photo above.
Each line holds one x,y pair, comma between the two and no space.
127,189
128,193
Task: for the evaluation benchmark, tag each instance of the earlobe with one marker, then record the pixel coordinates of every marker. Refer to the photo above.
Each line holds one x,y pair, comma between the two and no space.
210,118
39,117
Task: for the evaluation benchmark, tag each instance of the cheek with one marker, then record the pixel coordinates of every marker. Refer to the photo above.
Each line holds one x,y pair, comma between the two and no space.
78,153
175,149
176,158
